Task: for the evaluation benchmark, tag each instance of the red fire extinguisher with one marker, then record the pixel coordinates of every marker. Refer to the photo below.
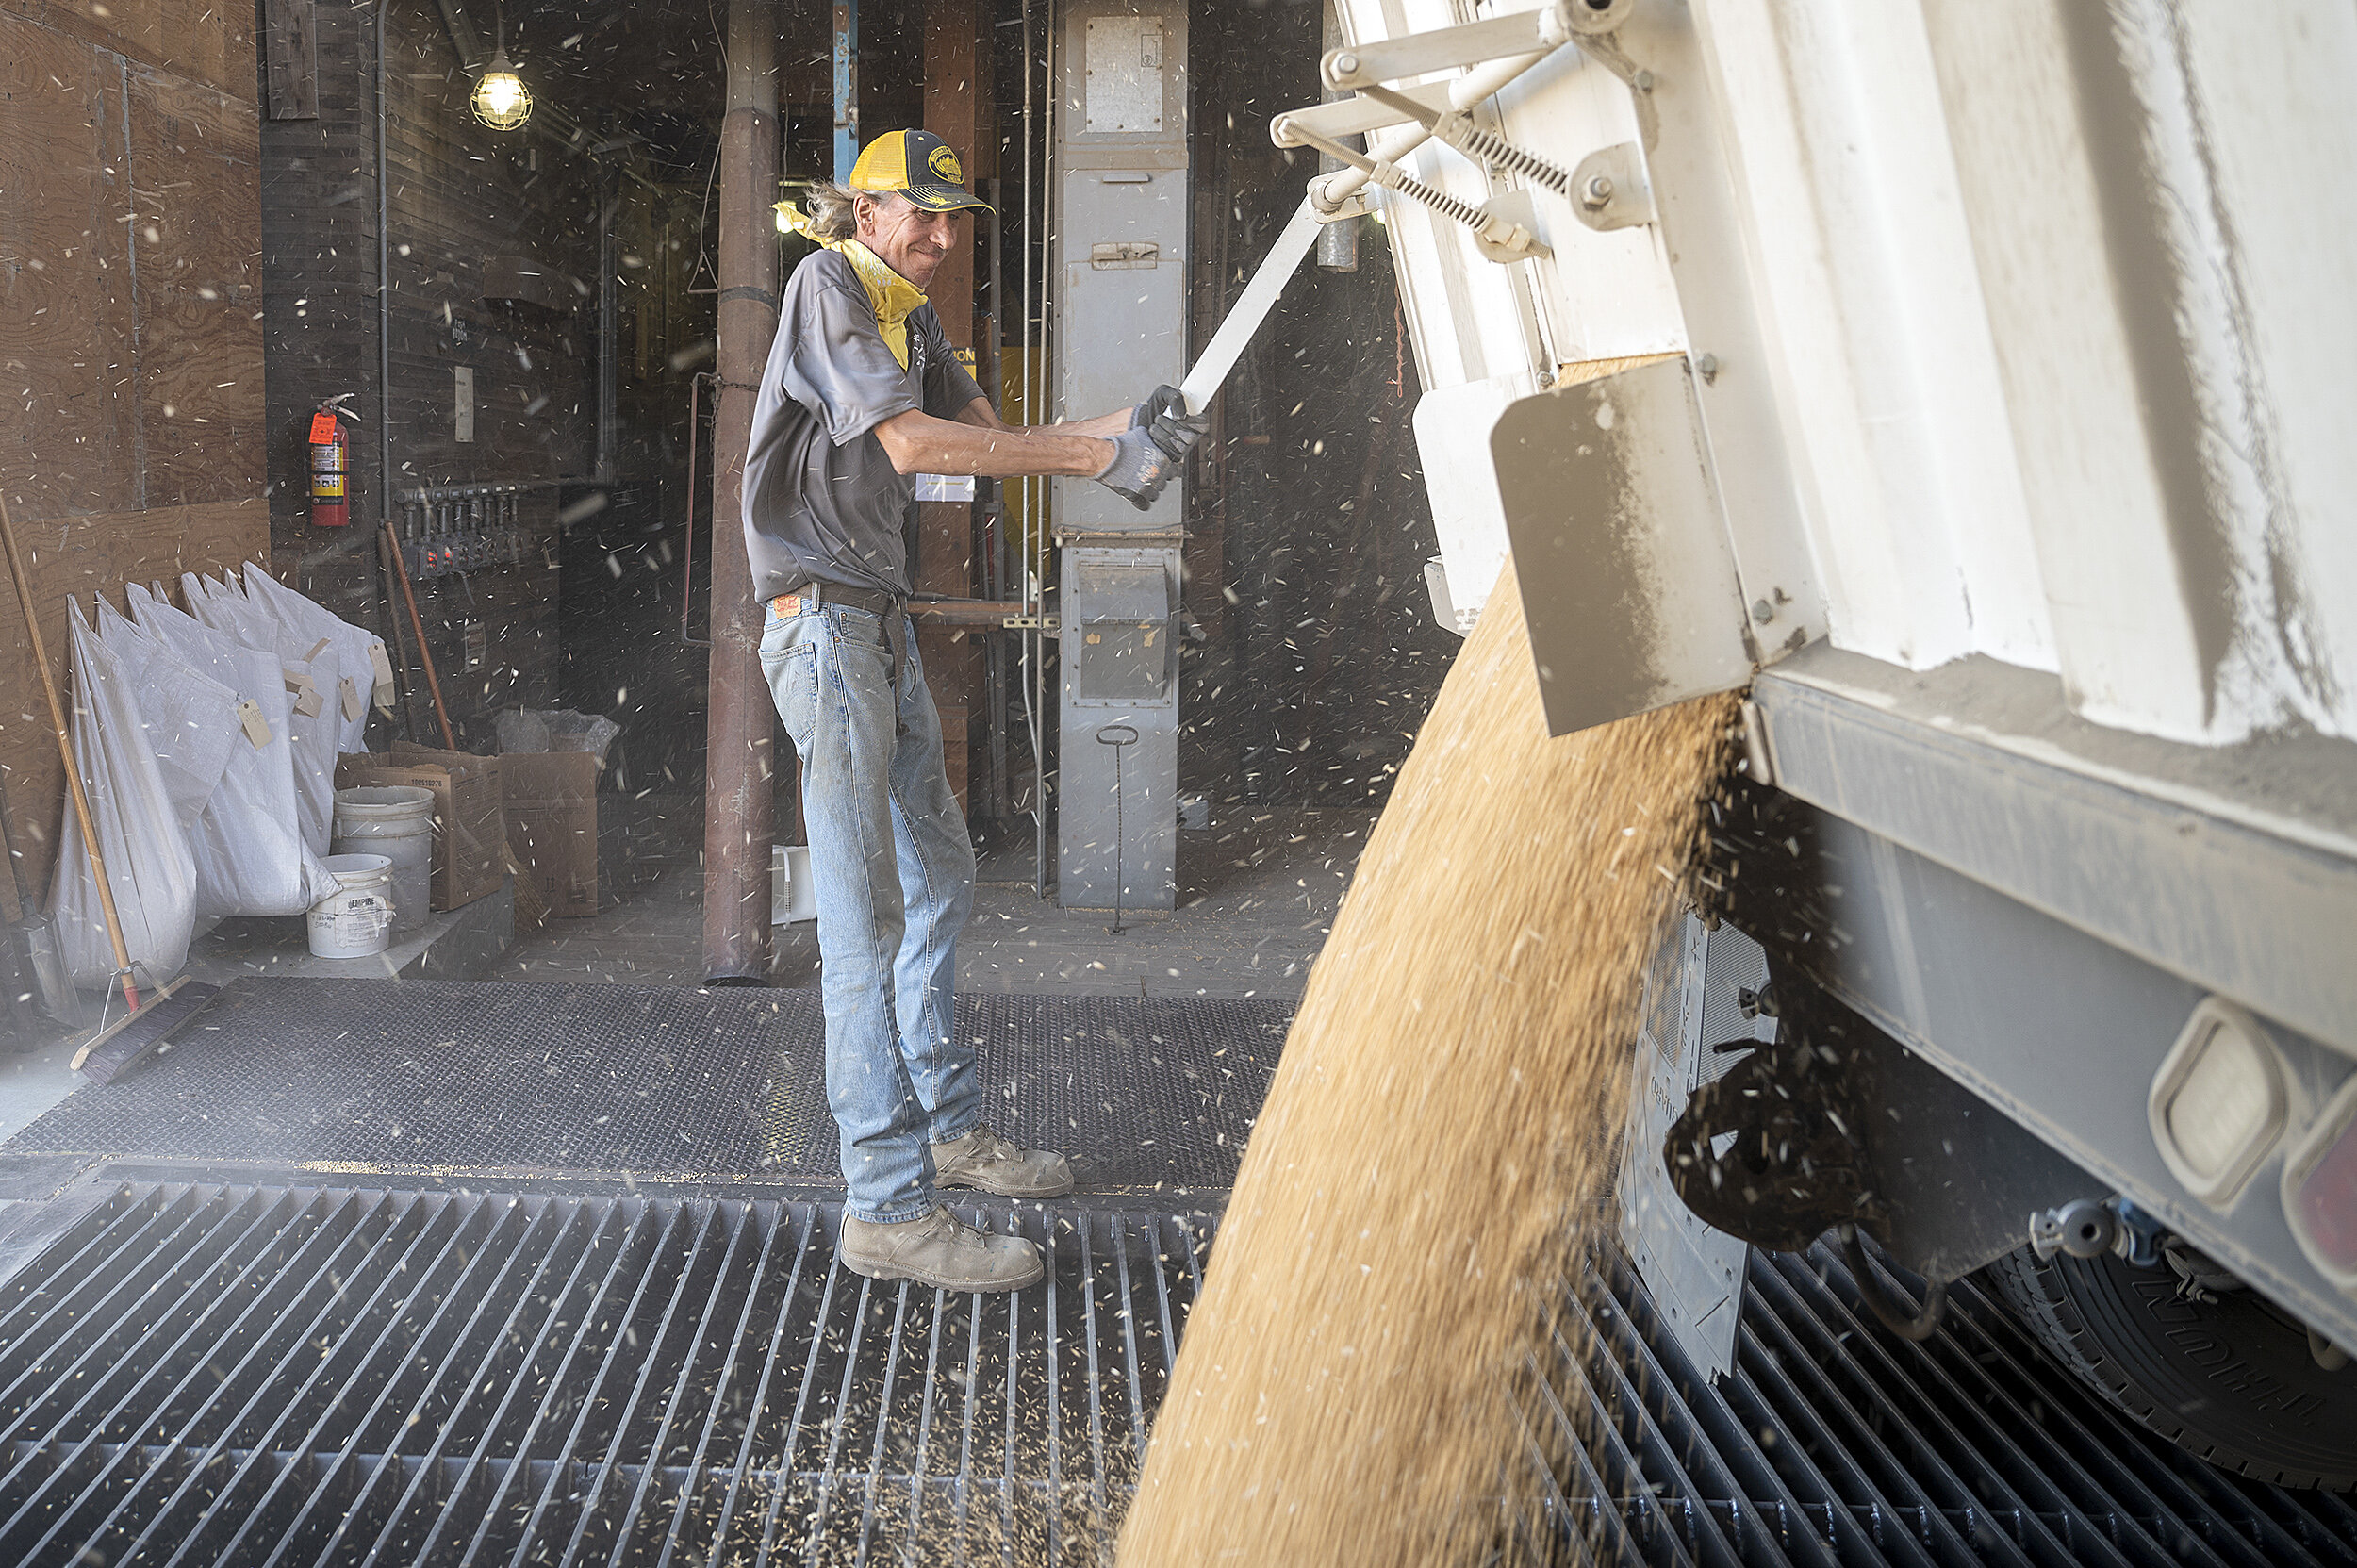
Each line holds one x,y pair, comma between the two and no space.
331,474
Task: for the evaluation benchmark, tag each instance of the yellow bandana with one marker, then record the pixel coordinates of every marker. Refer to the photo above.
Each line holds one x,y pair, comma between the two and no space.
893,297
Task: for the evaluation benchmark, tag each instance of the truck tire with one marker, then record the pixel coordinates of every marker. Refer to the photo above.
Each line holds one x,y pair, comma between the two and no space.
2230,1378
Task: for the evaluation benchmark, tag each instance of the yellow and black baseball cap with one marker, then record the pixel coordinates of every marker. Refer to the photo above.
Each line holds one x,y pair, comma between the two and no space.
920,166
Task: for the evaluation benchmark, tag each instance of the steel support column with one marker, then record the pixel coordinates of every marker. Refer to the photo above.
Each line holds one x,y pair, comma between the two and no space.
609,315
1119,248
846,88
739,736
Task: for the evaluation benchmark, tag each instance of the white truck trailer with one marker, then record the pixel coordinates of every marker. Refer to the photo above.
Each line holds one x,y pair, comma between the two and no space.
1970,382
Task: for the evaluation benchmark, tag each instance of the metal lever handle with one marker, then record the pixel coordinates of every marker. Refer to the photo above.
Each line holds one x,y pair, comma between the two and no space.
1252,308
1117,736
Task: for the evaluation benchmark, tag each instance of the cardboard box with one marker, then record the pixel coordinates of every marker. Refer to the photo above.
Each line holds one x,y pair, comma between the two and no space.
550,799
469,824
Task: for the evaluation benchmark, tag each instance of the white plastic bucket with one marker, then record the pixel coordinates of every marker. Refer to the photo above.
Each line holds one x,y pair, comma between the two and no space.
395,821
355,921
792,897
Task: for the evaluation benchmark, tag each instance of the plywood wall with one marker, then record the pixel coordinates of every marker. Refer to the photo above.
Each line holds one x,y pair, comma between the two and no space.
131,398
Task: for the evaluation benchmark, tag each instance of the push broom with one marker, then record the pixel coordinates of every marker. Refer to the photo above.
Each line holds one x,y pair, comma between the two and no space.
113,1050
65,752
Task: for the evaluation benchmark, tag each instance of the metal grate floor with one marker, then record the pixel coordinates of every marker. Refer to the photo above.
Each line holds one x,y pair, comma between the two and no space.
195,1372
1835,1444
234,1374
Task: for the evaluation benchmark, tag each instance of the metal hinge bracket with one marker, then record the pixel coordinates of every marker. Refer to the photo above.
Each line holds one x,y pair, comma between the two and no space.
1610,190
1353,205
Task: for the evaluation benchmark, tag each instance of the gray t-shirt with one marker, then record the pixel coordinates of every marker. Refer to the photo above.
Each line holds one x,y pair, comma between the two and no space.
822,501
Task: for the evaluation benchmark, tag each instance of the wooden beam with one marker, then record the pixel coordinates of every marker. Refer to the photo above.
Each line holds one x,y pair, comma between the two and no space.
291,48
739,748
958,110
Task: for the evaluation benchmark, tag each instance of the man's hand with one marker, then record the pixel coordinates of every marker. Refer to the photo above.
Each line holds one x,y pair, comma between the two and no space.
1164,415
1140,469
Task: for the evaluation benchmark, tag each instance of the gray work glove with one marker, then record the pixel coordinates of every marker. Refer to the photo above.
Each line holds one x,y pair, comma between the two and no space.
1140,469
1174,430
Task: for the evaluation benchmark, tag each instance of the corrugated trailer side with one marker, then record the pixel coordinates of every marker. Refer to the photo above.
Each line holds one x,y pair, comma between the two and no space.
1971,383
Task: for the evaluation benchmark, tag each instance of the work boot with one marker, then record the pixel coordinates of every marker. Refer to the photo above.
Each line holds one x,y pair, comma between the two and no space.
983,1158
938,1250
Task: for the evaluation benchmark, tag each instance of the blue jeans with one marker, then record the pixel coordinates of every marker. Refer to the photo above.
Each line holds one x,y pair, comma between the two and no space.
895,880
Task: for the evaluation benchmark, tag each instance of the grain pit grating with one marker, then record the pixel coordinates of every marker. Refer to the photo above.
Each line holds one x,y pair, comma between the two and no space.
242,1374
198,1372
1833,1444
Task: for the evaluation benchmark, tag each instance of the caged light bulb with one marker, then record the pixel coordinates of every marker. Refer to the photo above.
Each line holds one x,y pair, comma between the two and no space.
501,99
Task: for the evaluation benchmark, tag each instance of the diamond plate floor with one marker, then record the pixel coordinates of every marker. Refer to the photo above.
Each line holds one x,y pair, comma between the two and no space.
1147,1094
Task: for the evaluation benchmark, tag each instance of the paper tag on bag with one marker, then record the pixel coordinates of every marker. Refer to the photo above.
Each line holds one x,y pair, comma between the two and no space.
352,698
382,693
256,727
306,695
315,650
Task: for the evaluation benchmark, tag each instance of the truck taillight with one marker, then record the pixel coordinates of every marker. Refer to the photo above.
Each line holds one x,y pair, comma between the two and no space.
2218,1105
2320,1190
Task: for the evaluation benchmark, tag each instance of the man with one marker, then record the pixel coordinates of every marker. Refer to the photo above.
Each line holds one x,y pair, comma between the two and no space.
860,394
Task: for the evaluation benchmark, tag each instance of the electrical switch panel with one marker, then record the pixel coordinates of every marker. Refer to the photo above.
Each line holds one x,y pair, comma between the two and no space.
450,532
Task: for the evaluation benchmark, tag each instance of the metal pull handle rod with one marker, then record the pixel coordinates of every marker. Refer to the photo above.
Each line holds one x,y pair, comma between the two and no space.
1252,308
1300,235
1117,736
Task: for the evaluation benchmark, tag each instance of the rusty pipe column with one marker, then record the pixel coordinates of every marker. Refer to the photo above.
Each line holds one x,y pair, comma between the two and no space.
739,737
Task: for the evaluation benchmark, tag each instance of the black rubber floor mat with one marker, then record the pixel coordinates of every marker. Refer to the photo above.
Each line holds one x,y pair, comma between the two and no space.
1142,1092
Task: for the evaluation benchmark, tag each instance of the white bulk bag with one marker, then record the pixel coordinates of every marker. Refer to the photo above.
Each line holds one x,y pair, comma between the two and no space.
189,719
149,868
249,853
362,653
251,672
315,737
